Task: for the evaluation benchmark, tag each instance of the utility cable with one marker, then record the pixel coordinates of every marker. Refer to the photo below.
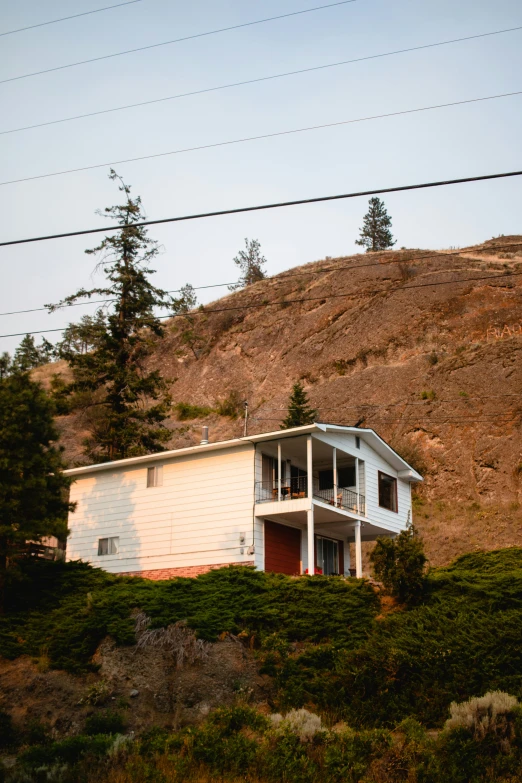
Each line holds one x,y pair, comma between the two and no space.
65,18
177,40
285,302
280,277
276,205
231,142
254,81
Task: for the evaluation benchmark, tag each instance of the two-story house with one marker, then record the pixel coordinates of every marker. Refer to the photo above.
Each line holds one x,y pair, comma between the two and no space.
289,501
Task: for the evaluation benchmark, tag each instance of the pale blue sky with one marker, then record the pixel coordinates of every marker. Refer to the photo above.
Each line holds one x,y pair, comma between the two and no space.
452,142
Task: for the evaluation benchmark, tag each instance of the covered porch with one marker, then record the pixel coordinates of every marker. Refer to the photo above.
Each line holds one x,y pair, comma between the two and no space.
317,489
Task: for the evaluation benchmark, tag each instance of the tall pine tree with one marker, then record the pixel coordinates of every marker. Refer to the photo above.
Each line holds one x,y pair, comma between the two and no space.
33,489
251,263
375,233
299,410
131,399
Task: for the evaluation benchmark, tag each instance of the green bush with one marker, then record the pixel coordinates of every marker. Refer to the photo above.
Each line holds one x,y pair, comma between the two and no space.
8,735
185,411
399,563
67,751
104,723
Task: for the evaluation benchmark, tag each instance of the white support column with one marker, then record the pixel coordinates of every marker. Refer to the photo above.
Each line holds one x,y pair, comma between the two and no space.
358,550
279,470
335,482
357,484
310,512
311,540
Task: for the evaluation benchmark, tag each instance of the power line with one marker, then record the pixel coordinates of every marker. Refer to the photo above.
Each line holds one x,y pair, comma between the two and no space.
176,40
258,138
65,18
255,81
284,302
276,205
282,276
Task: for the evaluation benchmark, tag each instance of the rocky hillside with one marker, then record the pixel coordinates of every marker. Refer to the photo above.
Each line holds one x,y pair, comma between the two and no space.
376,339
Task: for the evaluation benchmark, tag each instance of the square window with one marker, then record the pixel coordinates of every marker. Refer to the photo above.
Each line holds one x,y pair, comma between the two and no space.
108,546
387,492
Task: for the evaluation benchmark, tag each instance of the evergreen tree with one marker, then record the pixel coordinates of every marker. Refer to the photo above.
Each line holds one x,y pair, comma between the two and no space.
251,263
184,306
132,401
299,410
83,336
375,233
6,364
399,563
32,485
28,355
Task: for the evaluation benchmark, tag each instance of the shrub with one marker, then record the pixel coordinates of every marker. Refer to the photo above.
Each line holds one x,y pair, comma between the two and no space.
231,406
399,563
484,715
185,411
301,722
108,722
8,736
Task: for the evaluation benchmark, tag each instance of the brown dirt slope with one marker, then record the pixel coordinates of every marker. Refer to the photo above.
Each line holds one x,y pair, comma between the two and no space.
435,369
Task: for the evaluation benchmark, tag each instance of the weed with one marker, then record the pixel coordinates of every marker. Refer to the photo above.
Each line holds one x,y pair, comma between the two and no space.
428,395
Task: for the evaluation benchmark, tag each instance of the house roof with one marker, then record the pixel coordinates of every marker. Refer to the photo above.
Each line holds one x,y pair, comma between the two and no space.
368,435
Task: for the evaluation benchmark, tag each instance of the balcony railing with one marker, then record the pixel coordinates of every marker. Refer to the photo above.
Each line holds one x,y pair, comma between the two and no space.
340,497
291,489
294,488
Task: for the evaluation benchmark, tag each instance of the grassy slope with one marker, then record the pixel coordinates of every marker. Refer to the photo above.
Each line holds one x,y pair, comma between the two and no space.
322,638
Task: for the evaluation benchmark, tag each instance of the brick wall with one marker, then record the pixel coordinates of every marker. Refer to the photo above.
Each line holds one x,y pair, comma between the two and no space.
171,573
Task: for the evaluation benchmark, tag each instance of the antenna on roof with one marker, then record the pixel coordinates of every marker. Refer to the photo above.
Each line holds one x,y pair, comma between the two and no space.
245,428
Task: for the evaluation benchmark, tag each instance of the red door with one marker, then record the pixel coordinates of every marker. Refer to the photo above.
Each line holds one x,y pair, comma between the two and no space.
282,549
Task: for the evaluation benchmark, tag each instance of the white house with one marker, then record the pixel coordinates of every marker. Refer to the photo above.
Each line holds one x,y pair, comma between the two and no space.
289,501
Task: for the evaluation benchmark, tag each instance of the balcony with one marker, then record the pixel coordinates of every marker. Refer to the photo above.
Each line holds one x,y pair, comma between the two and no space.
296,488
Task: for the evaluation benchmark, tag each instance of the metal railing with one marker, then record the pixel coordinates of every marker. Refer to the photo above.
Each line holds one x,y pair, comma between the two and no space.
294,488
291,489
340,497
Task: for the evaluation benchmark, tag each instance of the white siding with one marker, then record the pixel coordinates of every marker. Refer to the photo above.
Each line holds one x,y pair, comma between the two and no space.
195,518
373,463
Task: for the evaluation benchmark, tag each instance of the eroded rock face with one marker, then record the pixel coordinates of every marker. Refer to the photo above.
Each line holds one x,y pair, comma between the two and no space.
184,694
145,684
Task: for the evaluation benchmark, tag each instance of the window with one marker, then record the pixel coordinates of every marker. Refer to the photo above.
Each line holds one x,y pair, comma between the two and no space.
327,556
345,477
357,442
108,546
387,492
155,476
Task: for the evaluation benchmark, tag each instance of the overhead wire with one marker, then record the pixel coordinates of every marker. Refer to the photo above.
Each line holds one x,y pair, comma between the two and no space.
255,81
66,18
285,302
177,40
275,205
259,137
281,277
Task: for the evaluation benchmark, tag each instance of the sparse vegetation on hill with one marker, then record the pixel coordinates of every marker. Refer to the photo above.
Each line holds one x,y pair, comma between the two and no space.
355,690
